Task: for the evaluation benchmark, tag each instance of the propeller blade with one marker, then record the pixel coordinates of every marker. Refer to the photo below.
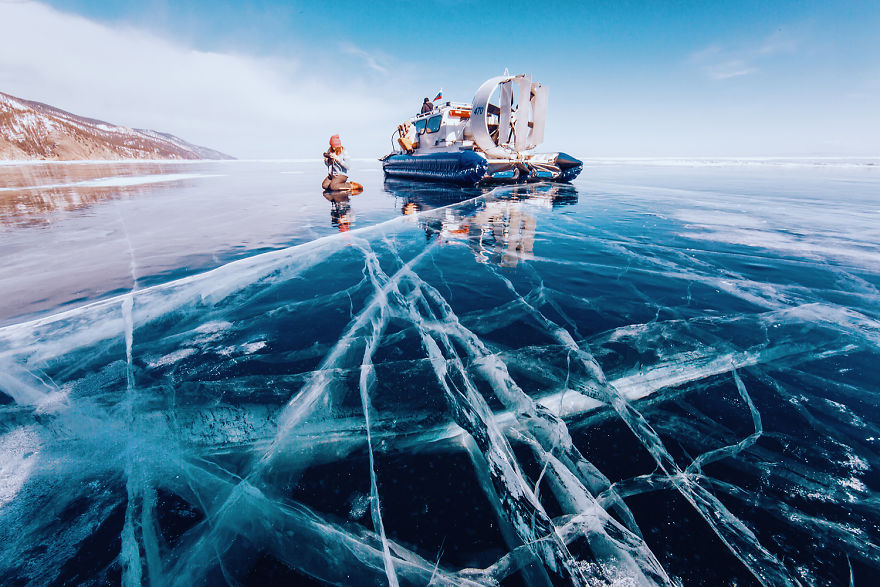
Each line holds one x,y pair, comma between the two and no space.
539,114
504,118
521,128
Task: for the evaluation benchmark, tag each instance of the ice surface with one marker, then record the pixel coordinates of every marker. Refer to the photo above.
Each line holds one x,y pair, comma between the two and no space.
606,383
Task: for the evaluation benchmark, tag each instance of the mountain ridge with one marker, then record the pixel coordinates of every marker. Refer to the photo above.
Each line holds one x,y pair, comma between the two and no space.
31,130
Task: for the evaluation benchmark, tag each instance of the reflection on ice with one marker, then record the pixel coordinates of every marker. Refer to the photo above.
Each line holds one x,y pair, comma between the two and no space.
506,387
499,230
341,215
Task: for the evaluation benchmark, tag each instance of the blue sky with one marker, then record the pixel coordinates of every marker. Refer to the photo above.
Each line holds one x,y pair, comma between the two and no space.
626,78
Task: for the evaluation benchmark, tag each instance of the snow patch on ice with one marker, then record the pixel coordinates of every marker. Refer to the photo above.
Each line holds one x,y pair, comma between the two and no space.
211,331
213,326
360,503
172,358
853,483
118,181
18,456
242,349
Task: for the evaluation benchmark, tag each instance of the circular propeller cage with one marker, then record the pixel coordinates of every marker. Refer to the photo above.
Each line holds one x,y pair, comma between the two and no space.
508,116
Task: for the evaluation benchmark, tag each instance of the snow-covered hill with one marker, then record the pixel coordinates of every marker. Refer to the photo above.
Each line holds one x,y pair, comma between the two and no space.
32,130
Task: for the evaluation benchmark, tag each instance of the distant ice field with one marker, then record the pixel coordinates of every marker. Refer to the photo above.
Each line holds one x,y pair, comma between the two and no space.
664,373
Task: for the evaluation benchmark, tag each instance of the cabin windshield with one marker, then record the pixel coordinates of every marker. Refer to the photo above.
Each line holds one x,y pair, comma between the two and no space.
420,125
434,123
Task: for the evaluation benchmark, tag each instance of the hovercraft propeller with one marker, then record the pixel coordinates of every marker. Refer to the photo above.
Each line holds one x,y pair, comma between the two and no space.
507,129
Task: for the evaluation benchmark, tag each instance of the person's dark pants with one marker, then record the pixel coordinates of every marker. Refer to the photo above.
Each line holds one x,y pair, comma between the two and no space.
336,182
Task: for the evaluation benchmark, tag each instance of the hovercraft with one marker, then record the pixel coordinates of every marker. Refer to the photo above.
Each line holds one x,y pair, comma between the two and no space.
491,140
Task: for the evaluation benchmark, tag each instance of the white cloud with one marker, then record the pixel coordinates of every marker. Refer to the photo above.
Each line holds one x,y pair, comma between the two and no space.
371,61
721,63
241,104
728,69
778,42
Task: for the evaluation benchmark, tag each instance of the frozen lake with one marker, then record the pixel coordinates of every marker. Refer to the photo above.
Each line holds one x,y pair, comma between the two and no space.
664,373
